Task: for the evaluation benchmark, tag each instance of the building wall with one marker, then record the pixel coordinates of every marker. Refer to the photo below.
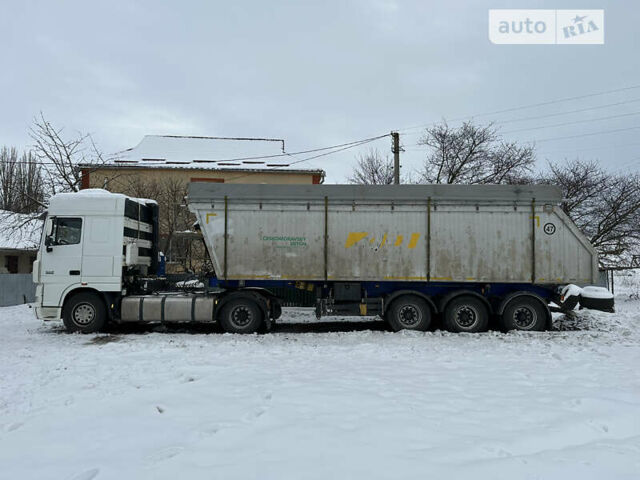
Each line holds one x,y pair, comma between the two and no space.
118,177
25,259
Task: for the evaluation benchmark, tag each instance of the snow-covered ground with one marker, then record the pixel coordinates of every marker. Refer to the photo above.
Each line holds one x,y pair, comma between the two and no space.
321,401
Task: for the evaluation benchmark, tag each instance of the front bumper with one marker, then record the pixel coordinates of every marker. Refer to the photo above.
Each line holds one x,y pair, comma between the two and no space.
48,313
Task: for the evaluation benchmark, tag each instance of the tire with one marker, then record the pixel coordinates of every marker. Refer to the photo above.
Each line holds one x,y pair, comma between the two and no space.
526,314
602,304
84,313
466,314
408,312
241,315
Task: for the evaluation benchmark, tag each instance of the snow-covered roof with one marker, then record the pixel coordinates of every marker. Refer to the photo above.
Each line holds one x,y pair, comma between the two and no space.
207,153
19,231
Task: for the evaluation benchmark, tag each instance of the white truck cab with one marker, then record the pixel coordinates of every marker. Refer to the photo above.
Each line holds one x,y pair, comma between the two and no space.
90,239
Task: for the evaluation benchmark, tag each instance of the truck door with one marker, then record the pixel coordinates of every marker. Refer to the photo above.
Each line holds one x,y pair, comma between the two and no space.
61,257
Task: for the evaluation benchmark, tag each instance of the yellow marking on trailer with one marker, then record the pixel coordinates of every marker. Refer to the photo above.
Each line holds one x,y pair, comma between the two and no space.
470,279
384,240
363,309
210,215
372,241
353,238
537,217
399,240
441,278
414,240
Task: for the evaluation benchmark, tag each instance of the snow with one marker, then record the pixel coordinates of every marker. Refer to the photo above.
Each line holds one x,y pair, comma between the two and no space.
193,283
589,292
596,292
571,290
99,192
318,400
166,151
19,231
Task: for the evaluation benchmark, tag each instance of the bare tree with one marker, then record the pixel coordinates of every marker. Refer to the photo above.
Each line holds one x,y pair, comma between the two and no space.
61,156
372,169
605,206
473,154
21,186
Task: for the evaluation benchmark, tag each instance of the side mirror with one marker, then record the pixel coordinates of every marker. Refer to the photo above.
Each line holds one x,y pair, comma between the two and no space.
48,241
49,226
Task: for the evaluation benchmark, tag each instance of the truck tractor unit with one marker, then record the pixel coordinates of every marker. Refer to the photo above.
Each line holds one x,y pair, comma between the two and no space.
466,255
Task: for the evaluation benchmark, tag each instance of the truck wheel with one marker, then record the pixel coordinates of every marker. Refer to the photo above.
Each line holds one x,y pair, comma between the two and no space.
408,312
466,314
241,315
85,313
524,313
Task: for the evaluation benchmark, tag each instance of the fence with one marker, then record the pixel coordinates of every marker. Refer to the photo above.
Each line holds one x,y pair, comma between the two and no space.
16,288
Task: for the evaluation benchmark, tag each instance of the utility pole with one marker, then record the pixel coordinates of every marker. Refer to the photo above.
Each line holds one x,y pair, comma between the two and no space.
395,148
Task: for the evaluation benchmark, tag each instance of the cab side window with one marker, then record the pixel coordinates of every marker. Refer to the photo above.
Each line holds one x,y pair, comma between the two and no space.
67,231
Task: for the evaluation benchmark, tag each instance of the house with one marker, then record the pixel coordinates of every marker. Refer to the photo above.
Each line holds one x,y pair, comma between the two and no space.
161,166
19,241
205,159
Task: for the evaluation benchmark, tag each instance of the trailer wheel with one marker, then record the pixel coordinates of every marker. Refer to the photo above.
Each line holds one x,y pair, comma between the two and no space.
241,315
524,313
85,313
466,314
408,312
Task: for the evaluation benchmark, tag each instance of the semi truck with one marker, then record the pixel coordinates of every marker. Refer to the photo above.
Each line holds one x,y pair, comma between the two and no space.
466,256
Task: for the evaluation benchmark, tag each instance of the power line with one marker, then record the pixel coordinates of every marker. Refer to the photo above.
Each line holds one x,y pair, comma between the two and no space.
568,112
532,105
340,147
603,132
362,142
601,147
551,102
572,122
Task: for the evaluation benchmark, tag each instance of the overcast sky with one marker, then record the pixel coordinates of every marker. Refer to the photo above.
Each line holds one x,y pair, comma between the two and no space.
314,73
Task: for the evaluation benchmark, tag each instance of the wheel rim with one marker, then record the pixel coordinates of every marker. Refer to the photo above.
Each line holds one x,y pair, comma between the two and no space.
241,316
467,316
524,318
83,314
409,316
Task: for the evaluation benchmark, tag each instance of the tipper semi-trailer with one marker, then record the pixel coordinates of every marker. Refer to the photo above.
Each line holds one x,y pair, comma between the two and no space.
466,255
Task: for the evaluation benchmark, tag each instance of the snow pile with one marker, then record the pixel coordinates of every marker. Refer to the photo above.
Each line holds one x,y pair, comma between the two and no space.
315,400
192,284
19,231
588,292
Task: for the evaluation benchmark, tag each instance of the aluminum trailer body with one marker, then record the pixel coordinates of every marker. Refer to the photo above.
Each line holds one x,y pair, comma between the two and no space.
414,233
366,249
